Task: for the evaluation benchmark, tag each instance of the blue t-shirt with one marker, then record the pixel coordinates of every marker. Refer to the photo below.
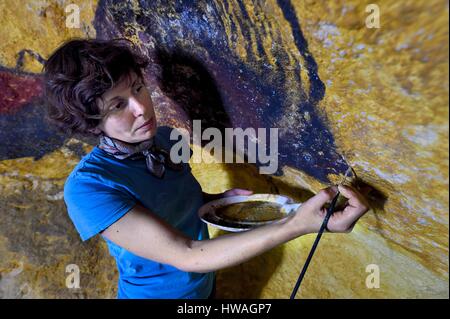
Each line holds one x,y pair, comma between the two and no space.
101,189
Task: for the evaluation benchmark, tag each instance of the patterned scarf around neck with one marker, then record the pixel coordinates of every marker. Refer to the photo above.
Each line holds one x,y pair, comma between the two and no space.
156,158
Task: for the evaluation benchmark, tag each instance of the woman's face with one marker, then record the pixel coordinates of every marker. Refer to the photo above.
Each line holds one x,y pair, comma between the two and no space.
127,107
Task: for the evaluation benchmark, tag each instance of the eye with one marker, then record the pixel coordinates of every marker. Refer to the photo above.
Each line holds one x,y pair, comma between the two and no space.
119,106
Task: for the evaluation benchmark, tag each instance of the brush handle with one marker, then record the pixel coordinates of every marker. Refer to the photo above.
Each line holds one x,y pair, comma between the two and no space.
330,211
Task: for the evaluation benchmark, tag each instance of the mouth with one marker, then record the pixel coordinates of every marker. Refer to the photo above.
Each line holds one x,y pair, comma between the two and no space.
146,125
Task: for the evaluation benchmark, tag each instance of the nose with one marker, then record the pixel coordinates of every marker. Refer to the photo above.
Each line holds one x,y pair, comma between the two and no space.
137,107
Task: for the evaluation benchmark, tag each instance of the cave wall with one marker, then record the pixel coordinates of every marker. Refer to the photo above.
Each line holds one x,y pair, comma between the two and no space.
342,94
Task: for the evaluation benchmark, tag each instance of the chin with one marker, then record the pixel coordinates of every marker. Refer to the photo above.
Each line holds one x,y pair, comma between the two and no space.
150,134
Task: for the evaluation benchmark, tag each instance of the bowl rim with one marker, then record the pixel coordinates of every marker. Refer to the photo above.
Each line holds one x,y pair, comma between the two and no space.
207,212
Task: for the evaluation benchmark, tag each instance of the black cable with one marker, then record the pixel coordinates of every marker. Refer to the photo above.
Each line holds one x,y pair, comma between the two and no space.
316,242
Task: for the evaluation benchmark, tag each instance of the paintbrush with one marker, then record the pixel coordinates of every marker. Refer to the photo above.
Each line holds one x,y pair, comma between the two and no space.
330,210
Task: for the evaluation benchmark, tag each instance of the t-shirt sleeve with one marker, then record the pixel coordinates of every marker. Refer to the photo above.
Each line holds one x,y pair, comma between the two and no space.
93,205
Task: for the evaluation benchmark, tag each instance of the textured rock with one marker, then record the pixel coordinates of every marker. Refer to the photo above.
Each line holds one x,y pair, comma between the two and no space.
342,94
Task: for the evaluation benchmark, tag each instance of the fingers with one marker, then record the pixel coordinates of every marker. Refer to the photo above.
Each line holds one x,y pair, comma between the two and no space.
357,205
355,199
321,198
344,220
244,191
240,191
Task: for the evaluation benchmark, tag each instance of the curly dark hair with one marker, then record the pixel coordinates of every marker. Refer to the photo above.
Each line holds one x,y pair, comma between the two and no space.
78,73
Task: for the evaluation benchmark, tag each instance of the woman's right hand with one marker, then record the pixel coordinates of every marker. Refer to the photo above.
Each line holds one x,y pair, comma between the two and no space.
310,215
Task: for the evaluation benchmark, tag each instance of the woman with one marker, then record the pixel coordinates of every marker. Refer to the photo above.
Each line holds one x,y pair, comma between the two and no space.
128,190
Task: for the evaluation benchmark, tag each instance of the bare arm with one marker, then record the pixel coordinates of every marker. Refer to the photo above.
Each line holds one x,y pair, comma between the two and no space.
145,234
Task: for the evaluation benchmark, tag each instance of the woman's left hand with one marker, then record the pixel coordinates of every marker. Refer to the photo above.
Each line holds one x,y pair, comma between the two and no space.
237,192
